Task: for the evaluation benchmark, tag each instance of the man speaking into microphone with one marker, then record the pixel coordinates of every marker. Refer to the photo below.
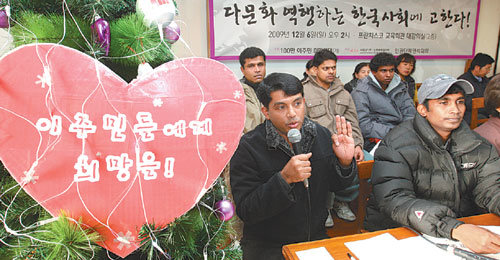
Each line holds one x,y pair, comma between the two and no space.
267,177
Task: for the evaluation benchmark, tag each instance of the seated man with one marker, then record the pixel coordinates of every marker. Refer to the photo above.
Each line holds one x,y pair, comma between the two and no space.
266,176
253,67
325,98
476,75
308,71
491,129
382,100
433,169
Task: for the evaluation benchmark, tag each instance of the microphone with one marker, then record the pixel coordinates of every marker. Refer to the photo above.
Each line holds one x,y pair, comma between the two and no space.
294,137
463,253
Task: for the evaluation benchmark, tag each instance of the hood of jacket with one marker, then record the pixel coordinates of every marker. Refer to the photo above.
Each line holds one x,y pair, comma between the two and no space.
396,80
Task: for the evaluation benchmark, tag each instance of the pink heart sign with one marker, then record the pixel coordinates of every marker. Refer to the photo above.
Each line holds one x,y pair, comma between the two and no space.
78,138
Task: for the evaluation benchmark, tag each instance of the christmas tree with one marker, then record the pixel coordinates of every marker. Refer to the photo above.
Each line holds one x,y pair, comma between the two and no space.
122,38
197,233
70,23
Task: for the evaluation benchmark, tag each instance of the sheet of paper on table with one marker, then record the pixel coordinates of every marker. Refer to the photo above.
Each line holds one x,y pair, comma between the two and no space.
378,247
387,247
319,253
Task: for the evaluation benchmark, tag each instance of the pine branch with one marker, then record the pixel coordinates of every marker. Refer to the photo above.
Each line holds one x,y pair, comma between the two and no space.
37,6
130,36
110,9
52,28
69,240
188,235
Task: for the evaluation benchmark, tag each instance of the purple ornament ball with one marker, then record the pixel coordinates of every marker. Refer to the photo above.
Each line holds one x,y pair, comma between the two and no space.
171,32
224,209
4,19
103,32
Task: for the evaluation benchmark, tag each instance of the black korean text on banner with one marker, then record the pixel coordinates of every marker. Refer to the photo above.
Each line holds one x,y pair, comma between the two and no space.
354,28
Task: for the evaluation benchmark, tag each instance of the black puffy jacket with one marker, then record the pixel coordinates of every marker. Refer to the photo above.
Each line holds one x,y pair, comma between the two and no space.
421,181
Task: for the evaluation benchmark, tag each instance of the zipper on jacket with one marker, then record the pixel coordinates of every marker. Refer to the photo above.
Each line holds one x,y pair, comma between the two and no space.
455,181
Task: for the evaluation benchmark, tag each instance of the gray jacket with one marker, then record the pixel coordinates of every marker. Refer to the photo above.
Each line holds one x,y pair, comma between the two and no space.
379,111
422,181
323,105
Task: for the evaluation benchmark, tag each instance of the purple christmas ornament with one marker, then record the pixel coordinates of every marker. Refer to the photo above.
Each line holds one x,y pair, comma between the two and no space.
224,209
171,32
4,19
102,31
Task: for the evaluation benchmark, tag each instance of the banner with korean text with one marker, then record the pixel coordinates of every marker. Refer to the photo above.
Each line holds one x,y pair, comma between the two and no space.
353,29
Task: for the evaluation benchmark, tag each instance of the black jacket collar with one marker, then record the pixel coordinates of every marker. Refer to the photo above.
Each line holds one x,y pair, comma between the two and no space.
461,140
255,86
275,140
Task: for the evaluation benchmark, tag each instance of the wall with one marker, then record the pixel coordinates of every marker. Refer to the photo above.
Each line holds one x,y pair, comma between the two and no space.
196,13
192,19
489,28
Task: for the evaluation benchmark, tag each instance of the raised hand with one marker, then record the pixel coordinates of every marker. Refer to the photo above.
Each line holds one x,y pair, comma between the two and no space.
343,143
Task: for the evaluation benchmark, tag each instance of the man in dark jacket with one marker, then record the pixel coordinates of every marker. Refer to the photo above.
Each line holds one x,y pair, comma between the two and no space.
382,100
476,75
433,169
266,176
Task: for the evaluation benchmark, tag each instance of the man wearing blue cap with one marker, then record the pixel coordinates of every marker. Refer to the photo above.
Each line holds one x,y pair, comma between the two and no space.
433,169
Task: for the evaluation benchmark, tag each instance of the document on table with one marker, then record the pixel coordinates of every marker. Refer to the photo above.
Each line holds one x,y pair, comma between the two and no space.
319,253
387,247
378,247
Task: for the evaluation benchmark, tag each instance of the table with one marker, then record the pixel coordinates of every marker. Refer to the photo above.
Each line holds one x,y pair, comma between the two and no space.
335,246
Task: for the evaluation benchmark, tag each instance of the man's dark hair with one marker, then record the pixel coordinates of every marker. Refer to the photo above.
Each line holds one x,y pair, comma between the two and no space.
250,53
454,89
492,96
406,57
278,81
308,66
382,59
481,60
323,55
359,67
